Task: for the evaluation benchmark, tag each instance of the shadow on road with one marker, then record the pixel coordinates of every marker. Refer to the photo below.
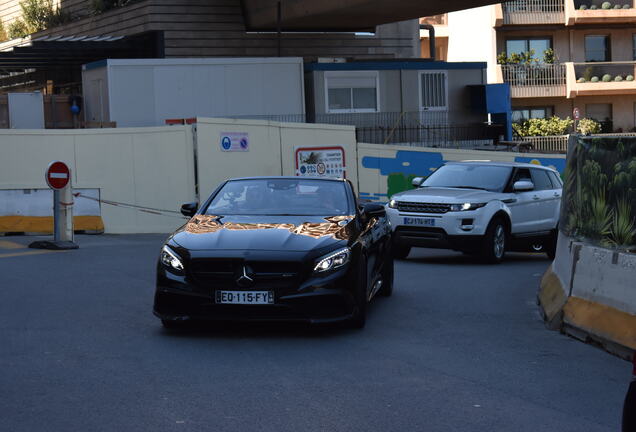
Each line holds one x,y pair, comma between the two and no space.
454,258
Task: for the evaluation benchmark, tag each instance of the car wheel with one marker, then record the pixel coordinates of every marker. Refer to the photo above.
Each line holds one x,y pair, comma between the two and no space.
551,244
494,247
400,251
387,275
360,295
172,324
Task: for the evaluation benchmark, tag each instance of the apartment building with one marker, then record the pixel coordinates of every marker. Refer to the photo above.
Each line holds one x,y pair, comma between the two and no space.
556,55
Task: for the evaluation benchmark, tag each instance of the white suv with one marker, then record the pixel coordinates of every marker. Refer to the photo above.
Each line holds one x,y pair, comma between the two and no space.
481,208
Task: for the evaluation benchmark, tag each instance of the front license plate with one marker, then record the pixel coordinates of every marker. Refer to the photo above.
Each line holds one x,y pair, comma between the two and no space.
245,297
419,221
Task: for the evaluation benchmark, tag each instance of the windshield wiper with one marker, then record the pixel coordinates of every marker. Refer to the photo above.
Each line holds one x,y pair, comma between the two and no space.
469,187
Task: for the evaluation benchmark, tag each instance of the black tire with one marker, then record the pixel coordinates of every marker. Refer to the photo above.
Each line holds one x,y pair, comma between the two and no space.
172,324
551,244
359,318
387,275
495,241
400,251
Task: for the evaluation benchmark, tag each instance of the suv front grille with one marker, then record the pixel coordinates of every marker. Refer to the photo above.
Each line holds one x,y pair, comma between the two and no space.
414,207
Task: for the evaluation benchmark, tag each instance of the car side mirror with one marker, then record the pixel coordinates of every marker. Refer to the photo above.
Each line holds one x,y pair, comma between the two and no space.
417,181
189,209
374,210
523,186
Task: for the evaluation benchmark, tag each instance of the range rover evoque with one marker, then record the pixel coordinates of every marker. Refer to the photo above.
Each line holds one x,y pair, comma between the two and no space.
276,248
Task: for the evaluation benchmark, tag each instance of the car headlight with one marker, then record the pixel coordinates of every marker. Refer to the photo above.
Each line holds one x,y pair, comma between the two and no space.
170,259
393,204
333,260
466,206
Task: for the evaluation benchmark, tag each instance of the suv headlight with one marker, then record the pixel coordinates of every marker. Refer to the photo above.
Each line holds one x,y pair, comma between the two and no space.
333,260
170,259
466,206
393,204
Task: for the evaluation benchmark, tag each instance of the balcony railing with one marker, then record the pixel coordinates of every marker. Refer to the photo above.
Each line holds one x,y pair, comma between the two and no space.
537,80
533,12
590,79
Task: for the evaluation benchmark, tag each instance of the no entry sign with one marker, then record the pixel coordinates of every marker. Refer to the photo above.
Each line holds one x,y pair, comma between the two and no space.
58,175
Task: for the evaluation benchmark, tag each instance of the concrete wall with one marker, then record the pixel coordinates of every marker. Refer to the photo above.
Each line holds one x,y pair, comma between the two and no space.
271,150
174,88
472,37
589,293
150,167
385,170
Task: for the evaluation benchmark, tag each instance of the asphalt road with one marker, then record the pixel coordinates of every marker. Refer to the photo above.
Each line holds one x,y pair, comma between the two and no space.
459,347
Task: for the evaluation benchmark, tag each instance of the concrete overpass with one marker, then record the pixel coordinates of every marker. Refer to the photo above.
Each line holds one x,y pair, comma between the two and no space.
344,15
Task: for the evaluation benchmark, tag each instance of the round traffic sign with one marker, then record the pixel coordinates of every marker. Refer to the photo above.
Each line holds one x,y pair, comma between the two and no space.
576,113
58,175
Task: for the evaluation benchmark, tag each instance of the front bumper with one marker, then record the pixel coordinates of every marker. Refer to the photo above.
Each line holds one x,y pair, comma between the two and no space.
329,299
452,230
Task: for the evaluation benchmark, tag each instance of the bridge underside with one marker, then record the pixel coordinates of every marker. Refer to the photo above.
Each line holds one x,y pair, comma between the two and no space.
344,15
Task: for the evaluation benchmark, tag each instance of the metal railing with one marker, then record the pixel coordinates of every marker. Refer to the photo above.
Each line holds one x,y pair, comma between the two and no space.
533,12
535,80
546,144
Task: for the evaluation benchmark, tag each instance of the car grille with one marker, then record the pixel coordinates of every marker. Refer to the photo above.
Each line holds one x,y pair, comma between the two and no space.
414,207
223,273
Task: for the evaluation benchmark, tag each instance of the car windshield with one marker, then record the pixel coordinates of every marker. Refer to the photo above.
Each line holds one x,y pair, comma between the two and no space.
470,176
293,197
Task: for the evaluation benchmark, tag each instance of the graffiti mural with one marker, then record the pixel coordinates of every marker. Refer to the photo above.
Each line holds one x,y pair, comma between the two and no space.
384,171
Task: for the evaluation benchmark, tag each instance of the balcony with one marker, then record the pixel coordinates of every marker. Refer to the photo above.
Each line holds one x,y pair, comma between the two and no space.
523,12
435,20
600,12
536,80
600,79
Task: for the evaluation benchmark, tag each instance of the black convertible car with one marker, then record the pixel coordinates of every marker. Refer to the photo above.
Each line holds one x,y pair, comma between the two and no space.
276,248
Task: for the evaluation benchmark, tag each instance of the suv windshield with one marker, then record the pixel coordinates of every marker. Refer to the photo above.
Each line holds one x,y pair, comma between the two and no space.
293,197
470,176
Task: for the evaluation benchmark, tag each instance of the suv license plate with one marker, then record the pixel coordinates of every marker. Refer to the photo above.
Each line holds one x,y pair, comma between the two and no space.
419,221
245,297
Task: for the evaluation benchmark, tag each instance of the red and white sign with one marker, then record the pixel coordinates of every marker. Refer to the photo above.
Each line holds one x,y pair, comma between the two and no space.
58,175
576,113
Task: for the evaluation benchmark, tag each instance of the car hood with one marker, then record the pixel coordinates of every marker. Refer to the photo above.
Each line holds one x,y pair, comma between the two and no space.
275,233
445,195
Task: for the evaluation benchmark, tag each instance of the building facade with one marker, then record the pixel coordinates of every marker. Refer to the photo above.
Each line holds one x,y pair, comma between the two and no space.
556,55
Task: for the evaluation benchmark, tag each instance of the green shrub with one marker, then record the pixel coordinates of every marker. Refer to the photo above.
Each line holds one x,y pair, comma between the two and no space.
583,7
618,78
543,127
593,7
580,80
618,6
588,126
3,33
629,78
627,6
607,78
606,5
39,15
594,79
18,29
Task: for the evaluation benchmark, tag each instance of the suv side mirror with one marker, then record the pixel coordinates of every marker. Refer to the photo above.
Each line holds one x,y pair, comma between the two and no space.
374,210
523,186
189,209
417,181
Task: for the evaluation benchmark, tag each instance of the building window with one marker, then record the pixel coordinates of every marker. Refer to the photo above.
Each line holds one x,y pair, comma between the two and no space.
433,91
521,114
597,48
602,113
634,47
522,46
351,91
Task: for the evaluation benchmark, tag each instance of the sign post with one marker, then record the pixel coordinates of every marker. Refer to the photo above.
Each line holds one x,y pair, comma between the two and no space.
576,113
58,177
